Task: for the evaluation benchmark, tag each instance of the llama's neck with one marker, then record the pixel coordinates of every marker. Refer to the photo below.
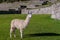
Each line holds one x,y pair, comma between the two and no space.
27,20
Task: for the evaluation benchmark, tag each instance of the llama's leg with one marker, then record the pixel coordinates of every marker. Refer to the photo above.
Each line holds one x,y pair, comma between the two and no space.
11,30
21,34
14,34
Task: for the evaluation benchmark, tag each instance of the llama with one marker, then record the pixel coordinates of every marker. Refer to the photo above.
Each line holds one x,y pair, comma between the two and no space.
20,25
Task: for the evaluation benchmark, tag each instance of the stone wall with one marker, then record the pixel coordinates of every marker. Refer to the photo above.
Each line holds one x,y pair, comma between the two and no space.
54,10
46,10
7,6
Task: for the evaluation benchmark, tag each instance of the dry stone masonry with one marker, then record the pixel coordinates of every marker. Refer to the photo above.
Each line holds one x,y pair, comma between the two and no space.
56,11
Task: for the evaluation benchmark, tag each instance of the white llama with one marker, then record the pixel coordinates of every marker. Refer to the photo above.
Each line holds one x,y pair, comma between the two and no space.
19,24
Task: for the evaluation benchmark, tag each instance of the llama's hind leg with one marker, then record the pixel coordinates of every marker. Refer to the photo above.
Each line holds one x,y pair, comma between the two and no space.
11,31
14,33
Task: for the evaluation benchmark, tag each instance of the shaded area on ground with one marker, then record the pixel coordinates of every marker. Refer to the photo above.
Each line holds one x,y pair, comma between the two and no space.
41,34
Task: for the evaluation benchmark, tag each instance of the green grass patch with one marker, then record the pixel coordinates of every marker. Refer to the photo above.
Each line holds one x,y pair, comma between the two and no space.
41,27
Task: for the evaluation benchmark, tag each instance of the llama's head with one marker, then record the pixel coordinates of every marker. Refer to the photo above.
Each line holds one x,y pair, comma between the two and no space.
30,14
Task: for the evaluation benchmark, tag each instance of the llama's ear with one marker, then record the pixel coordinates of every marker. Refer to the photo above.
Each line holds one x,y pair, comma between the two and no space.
29,12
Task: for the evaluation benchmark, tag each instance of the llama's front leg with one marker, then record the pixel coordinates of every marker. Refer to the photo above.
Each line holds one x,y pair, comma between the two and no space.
21,34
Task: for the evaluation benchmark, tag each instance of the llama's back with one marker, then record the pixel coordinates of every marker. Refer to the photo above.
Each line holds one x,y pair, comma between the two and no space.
17,23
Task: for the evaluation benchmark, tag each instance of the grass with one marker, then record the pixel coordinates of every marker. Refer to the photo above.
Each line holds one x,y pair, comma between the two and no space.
41,27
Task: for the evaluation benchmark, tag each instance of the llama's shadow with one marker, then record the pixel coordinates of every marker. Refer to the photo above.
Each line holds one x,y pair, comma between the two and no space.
41,34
